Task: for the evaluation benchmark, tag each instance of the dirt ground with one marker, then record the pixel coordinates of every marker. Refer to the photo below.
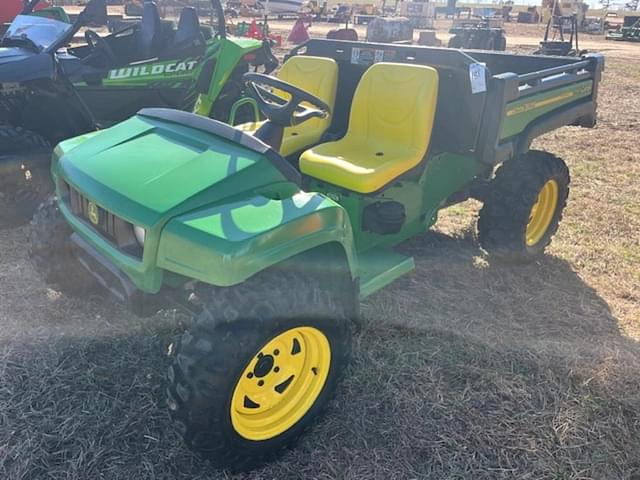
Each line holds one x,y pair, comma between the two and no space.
464,369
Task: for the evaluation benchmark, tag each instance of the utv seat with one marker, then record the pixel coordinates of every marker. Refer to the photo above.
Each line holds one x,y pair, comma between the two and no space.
390,126
319,77
149,34
188,35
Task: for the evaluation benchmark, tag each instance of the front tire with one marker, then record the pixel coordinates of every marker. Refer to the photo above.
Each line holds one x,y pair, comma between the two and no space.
523,206
258,366
52,255
25,181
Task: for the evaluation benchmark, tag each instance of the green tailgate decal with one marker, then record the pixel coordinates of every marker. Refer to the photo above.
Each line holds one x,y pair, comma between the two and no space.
521,113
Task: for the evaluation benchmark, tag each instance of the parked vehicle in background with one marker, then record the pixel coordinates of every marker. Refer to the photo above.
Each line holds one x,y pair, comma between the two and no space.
49,92
561,42
628,32
477,34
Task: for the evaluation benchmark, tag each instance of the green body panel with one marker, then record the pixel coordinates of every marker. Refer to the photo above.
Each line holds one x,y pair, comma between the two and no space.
226,53
185,165
521,113
185,169
422,196
230,52
225,245
379,267
445,175
55,13
70,144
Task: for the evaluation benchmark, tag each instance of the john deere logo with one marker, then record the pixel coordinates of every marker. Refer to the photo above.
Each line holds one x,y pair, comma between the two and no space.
94,216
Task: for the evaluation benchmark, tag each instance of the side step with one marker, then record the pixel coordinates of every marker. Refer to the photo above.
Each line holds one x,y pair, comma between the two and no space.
379,267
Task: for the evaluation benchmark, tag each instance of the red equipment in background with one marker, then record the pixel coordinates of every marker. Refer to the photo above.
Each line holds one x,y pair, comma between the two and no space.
299,33
257,32
10,8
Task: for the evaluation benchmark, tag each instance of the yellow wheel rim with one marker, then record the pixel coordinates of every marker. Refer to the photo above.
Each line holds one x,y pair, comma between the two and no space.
281,383
542,212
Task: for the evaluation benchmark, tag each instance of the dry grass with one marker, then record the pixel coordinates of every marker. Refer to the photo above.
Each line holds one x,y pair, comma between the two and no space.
464,369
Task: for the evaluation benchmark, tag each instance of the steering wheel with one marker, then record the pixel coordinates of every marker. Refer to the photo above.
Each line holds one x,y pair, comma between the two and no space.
99,45
279,110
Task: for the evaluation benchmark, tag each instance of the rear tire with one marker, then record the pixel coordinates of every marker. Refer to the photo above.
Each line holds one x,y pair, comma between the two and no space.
212,360
52,254
25,181
508,226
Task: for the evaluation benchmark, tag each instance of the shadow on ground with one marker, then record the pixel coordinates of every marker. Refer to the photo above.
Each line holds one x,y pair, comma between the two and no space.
462,370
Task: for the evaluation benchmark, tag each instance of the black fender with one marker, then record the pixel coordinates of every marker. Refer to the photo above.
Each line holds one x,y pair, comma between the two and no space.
18,65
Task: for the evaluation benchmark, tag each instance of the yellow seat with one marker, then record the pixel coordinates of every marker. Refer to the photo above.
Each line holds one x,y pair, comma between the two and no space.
319,77
390,125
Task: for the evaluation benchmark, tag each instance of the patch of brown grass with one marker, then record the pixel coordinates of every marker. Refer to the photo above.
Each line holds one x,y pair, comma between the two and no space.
464,369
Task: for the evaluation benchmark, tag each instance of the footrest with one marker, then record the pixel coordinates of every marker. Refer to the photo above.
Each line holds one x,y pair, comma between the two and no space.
379,267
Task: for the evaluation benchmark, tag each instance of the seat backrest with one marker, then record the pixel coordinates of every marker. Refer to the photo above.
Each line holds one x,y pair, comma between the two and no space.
188,27
149,32
395,103
316,75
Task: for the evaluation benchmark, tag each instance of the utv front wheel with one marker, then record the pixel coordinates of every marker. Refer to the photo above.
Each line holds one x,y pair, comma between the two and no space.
51,252
523,206
257,368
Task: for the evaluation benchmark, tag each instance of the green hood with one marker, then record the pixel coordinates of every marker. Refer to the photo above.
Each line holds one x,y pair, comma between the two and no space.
147,167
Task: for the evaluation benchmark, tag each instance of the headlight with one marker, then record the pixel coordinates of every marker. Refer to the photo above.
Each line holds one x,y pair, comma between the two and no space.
140,233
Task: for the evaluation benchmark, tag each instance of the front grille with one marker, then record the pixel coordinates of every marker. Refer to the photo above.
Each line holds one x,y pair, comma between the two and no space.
114,229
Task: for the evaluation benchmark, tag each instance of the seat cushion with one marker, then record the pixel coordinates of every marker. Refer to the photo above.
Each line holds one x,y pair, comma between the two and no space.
363,168
390,126
318,76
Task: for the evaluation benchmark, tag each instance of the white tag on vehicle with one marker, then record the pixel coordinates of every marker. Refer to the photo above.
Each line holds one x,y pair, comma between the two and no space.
477,78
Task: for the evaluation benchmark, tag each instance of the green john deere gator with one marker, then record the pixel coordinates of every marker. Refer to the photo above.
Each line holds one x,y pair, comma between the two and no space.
271,232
